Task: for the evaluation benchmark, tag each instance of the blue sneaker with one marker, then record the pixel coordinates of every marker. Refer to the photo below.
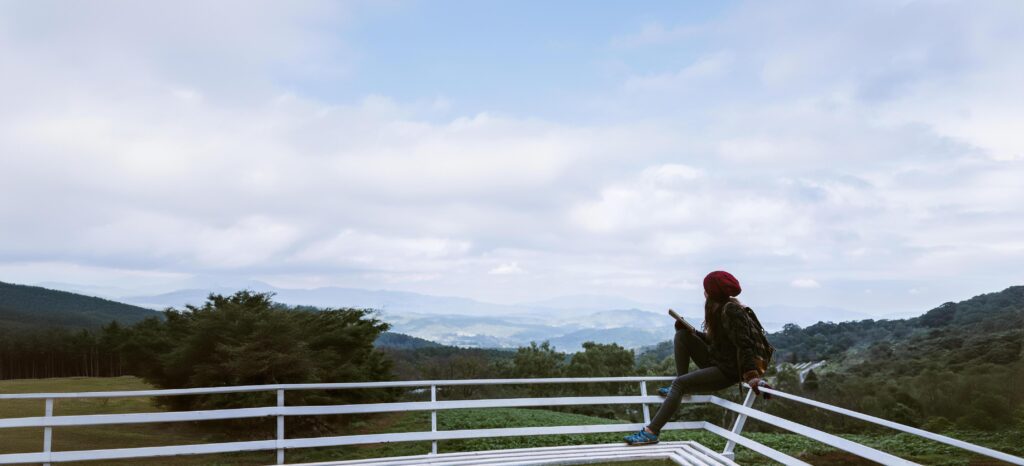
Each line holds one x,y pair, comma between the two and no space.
641,438
663,391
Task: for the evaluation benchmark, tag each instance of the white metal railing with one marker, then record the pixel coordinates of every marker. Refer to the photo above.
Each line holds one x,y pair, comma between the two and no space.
280,411
902,428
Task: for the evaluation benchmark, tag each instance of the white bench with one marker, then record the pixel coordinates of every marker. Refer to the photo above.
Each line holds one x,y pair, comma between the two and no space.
682,453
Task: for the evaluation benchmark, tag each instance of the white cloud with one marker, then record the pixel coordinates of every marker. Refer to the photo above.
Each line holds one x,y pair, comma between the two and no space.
867,144
805,283
511,268
385,253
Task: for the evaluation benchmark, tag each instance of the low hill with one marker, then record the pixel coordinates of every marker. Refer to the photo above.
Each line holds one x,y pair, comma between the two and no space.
24,307
986,328
401,341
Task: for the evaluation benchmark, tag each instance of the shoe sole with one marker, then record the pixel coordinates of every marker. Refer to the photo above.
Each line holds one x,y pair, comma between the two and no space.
638,444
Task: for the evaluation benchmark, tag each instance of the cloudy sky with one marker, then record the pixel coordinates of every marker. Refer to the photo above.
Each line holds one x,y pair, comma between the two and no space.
866,155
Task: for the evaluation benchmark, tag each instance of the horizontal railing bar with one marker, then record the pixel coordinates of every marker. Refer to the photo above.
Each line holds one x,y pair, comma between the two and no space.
904,428
243,413
541,457
138,452
477,433
145,452
754,446
326,386
137,418
814,434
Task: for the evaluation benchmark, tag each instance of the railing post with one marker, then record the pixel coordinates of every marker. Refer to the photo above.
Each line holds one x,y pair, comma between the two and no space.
280,427
48,432
737,427
647,410
433,419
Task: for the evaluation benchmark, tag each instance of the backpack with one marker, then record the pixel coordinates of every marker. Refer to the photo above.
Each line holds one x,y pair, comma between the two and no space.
763,350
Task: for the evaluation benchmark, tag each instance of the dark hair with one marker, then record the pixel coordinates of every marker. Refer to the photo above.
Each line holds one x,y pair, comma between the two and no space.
711,315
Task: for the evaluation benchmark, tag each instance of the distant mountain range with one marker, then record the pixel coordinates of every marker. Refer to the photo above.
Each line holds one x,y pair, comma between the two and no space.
630,328
566,321
383,300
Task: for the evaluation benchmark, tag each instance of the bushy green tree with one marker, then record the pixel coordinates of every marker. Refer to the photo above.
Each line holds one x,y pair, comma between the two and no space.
601,360
538,361
246,339
988,412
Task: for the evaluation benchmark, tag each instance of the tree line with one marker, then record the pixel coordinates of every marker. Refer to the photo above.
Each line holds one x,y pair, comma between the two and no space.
59,352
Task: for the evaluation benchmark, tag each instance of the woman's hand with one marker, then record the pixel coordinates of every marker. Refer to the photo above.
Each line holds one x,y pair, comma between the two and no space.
755,383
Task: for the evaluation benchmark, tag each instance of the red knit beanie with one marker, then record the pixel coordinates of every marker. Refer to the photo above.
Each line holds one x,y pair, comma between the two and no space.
721,285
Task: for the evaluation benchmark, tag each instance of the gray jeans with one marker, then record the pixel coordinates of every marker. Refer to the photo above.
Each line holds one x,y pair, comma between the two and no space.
708,378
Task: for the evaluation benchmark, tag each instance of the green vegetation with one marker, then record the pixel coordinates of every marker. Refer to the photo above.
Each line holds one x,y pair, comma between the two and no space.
446,362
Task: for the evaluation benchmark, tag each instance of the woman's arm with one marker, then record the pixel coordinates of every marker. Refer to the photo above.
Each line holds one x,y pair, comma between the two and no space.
703,336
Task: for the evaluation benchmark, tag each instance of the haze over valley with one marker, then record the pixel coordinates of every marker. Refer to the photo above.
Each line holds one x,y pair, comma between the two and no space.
566,321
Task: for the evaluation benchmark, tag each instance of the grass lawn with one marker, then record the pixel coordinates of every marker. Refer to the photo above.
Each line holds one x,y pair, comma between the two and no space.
64,439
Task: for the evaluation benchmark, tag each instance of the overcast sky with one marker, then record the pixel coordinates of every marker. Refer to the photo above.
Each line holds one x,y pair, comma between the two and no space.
866,155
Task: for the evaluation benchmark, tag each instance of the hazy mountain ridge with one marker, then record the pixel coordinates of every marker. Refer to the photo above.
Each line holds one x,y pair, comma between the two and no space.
566,321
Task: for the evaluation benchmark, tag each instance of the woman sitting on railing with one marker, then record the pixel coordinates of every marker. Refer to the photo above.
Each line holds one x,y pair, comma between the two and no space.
731,348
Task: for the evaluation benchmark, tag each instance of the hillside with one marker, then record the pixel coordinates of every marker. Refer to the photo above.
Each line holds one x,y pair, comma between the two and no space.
988,328
23,307
958,365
